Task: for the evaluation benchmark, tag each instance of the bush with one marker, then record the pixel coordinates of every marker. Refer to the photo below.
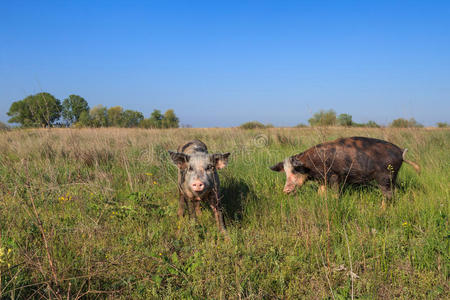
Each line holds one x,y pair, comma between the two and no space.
403,123
345,120
372,124
323,118
252,125
442,124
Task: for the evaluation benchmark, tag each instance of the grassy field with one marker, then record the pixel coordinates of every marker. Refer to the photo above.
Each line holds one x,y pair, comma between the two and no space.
91,213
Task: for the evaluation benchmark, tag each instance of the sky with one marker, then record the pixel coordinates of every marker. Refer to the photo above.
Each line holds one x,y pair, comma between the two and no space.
222,63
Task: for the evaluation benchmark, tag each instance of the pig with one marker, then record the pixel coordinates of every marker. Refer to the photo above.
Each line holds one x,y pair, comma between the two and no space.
353,160
198,179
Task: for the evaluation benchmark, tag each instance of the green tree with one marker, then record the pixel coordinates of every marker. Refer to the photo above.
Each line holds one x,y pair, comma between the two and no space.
252,125
155,120
323,118
84,120
72,107
99,116
42,109
345,120
442,125
403,123
131,118
170,120
372,124
115,115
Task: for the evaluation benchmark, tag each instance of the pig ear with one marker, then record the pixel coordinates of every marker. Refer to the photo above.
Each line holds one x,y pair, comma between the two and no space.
279,167
295,162
298,165
220,160
180,159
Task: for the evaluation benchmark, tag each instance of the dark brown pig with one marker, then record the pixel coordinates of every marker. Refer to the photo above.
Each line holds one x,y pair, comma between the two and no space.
354,160
198,179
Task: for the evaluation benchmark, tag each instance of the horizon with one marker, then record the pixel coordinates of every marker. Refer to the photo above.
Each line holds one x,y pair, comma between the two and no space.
224,64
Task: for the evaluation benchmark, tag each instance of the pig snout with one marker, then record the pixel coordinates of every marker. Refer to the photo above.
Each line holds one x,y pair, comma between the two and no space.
197,186
288,188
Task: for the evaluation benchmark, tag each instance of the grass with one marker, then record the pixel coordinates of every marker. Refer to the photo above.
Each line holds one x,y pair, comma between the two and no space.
88,213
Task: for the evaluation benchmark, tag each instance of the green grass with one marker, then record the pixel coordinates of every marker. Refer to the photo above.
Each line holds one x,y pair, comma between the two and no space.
105,201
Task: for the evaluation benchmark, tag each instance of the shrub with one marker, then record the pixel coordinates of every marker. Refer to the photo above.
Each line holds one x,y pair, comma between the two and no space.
403,123
442,124
252,125
345,120
323,118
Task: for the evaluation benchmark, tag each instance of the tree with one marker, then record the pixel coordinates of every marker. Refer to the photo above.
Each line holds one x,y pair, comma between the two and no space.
131,118
84,120
323,118
372,124
99,116
252,125
72,107
115,115
155,120
442,125
42,109
403,123
170,120
345,120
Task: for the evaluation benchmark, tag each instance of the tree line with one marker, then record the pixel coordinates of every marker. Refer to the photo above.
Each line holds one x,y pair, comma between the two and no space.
330,118
44,110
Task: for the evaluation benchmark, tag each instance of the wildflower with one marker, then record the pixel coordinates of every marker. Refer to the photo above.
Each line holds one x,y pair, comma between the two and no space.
405,224
2,254
148,174
154,182
160,254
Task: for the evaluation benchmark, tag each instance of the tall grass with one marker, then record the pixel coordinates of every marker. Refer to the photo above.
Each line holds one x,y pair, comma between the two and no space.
90,213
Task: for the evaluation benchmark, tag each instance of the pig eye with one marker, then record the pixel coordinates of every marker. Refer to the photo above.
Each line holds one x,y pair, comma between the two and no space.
209,167
191,168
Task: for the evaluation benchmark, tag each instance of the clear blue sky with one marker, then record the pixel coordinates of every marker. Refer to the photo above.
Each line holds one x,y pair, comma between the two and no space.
221,63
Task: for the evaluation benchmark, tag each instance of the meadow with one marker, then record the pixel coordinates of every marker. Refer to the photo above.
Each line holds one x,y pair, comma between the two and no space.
91,213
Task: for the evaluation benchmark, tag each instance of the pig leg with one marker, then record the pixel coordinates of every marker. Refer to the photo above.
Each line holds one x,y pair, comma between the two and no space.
181,206
190,207
197,210
385,183
214,204
334,183
386,191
